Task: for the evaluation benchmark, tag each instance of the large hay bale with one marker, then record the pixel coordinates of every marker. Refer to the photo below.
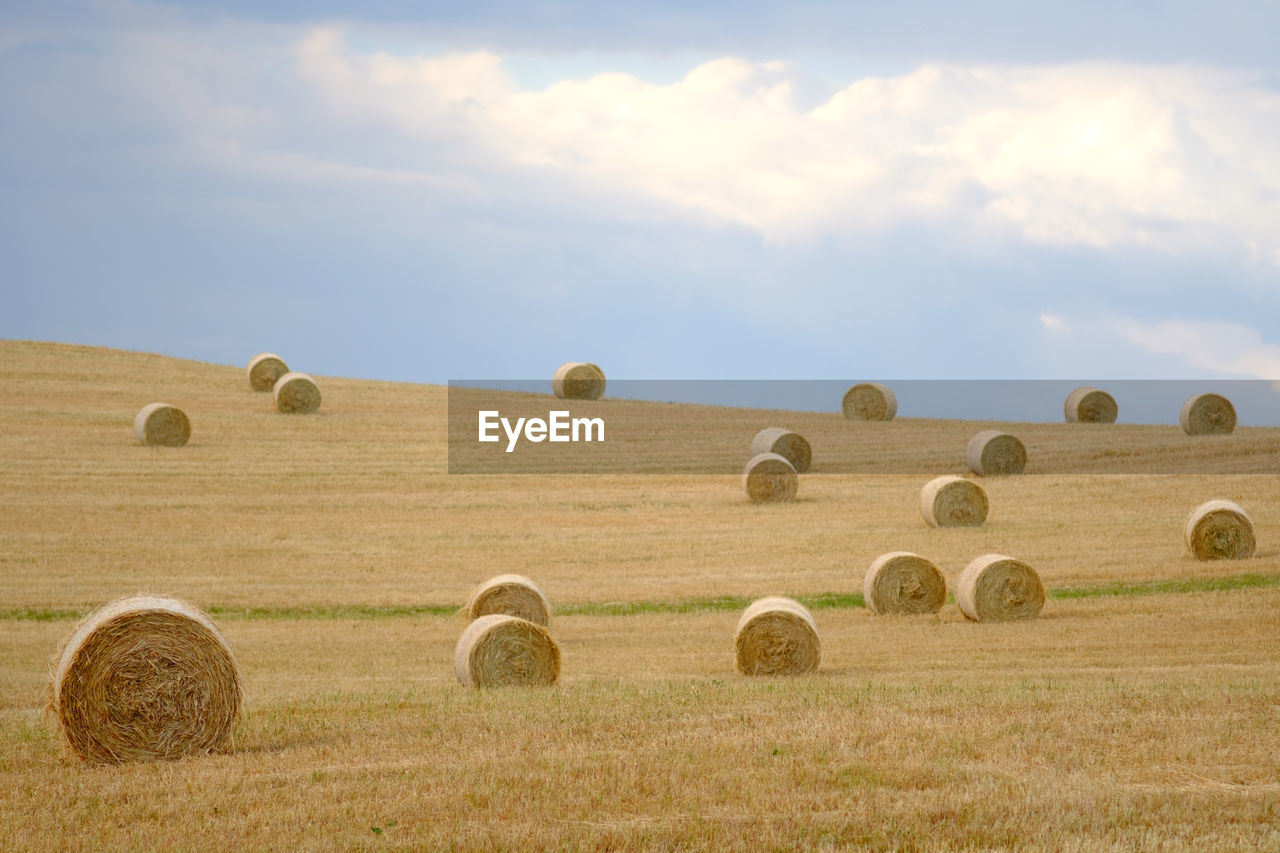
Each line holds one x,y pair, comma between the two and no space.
1220,530
513,595
145,678
992,453
777,636
869,401
162,425
904,583
1208,414
1088,405
264,369
996,588
296,394
950,501
791,446
578,380
770,478
500,650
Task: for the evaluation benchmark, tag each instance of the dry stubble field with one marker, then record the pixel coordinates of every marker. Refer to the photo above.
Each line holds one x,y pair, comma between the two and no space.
1141,711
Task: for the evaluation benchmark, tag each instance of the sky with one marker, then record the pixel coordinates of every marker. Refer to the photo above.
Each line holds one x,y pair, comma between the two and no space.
808,190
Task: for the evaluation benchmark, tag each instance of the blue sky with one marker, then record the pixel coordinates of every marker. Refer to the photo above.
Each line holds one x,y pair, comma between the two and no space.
751,190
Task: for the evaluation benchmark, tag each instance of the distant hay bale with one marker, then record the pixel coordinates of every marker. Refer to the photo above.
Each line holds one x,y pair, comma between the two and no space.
992,453
791,446
1088,405
162,425
578,380
1208,414
770,478
500,650
1220,530
297,394
869,401
777,636
264,369
513,595
904,583
950,501
996,588
145,678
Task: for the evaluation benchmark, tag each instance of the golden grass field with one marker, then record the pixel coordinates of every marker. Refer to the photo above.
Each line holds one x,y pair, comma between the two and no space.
1141,711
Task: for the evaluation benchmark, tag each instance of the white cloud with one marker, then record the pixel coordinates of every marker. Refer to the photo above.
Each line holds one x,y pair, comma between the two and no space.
1225,347
1054,323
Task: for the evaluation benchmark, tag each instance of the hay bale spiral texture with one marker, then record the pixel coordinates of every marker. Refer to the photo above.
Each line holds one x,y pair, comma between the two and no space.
777,636
513,595
264,369
296,394
1088,405
992,453
1208,414
770,478
578,380
791,446
1220,530
162,425
500,650
904,583
950,501
869,401
996,588
146,678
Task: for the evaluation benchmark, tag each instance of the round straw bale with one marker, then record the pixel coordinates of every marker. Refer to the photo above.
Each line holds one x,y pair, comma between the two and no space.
950,501
264,369
297,394
145,678
906,583
770,478
777,636
498,650
1220,530
159,424
791,446
992,453
514,595
578,380
869,401
996,588
1090,406
1208,414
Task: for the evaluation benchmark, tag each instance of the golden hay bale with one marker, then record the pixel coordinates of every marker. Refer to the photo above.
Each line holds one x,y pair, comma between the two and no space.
578,380
296,394
770,478
992,453
904,583
869,401
1208,414
1088,405
499,650
513,595
996,588
159,424
791,446
1220,530
264,369
777,636
145,678
950,501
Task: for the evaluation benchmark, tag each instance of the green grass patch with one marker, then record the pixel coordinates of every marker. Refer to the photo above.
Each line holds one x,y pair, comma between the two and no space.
1249,580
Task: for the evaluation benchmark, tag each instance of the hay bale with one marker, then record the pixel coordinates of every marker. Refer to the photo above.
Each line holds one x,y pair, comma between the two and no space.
770,478
777,636
1208,414
513,595
950,501
162,425
1088,405
869,401
791,446
264,369
296,394
145,678
904,583
996,588
1220,530
500,650
578,380
992,453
